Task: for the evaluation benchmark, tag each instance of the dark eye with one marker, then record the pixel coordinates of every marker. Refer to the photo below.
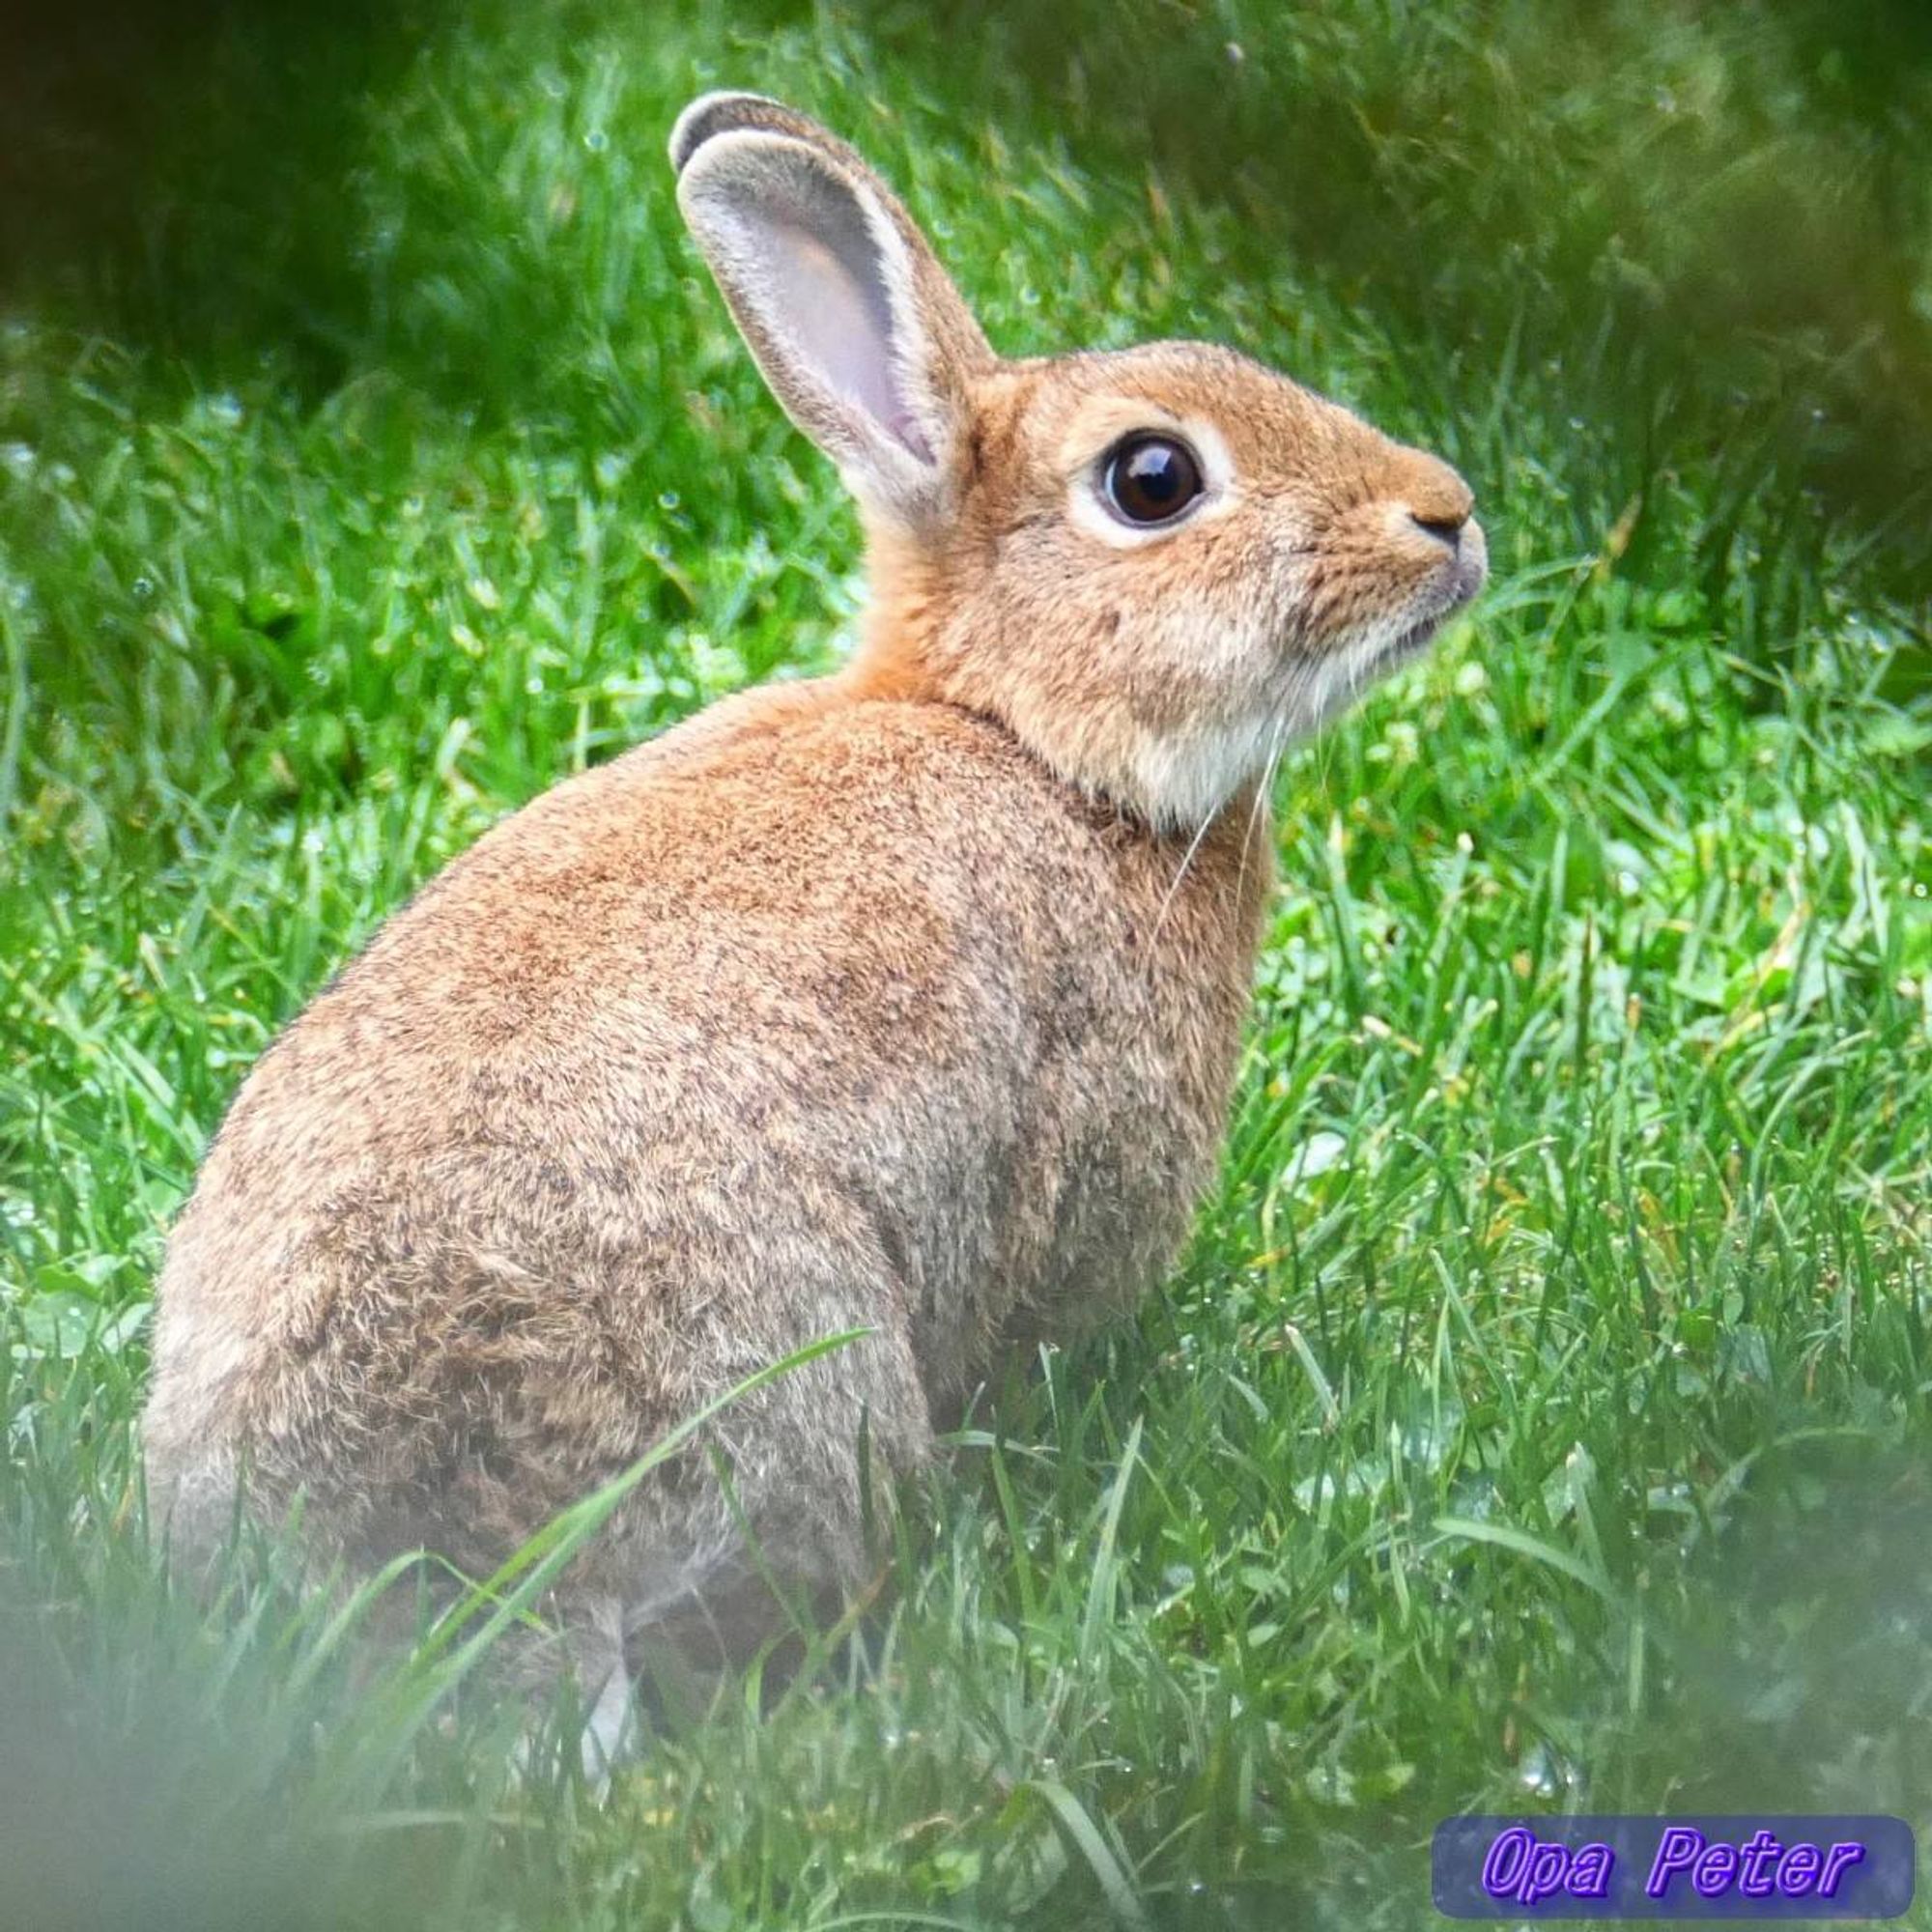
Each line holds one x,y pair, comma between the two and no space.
1150,479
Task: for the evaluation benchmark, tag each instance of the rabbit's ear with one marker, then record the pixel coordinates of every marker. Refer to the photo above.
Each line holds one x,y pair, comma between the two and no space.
859,332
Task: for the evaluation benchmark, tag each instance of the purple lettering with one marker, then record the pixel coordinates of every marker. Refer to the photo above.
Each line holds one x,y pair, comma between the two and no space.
1548,1866
1760,1849
1715,1871
1522,1867
1798,1868
1506,1858
1590,1875
1836,1861
1675,1850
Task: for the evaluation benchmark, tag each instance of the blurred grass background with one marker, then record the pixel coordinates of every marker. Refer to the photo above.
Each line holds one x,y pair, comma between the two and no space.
1690,220
1541,1415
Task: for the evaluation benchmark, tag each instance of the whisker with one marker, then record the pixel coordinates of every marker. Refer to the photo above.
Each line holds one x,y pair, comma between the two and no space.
1263,794
1180,872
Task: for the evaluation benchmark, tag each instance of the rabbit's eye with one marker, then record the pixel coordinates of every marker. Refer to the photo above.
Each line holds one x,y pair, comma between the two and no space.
1149,479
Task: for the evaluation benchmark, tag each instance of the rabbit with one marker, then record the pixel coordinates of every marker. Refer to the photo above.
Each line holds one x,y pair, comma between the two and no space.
906,1000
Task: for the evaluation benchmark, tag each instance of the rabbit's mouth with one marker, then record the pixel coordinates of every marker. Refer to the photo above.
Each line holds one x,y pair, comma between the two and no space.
1416,639
1466,572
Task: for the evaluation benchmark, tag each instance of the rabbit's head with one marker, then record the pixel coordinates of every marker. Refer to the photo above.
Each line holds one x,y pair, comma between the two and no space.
1155,565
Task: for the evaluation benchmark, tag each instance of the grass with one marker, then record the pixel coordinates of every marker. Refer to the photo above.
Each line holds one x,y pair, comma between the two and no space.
1540,1417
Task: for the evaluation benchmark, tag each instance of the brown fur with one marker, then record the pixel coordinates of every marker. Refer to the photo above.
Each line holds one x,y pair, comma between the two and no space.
892,1001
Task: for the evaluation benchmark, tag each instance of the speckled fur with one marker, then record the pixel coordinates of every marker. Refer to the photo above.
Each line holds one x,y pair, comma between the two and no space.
906,999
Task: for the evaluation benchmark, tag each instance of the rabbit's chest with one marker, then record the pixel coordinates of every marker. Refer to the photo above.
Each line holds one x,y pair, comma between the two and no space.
1101,1049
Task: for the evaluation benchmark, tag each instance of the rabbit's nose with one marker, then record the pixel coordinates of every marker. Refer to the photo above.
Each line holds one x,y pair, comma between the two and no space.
1436,499
1448,526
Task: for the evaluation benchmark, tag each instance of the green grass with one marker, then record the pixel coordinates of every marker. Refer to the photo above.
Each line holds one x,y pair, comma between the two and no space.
1541,1414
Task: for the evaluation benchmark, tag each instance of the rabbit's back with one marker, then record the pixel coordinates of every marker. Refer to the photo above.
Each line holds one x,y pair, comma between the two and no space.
811,1015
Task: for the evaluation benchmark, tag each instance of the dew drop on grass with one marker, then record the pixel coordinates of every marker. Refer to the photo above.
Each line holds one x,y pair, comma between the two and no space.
596,140
142,589
18,458
1317,1155
1539,1773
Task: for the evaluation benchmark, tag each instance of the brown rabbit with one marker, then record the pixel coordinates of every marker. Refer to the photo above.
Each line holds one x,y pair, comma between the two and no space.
907,999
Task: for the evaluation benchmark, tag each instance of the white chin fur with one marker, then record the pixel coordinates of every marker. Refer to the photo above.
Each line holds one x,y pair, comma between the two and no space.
1179,781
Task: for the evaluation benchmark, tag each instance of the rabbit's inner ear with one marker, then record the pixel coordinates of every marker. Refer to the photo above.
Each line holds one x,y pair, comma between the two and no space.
824,286
828,293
